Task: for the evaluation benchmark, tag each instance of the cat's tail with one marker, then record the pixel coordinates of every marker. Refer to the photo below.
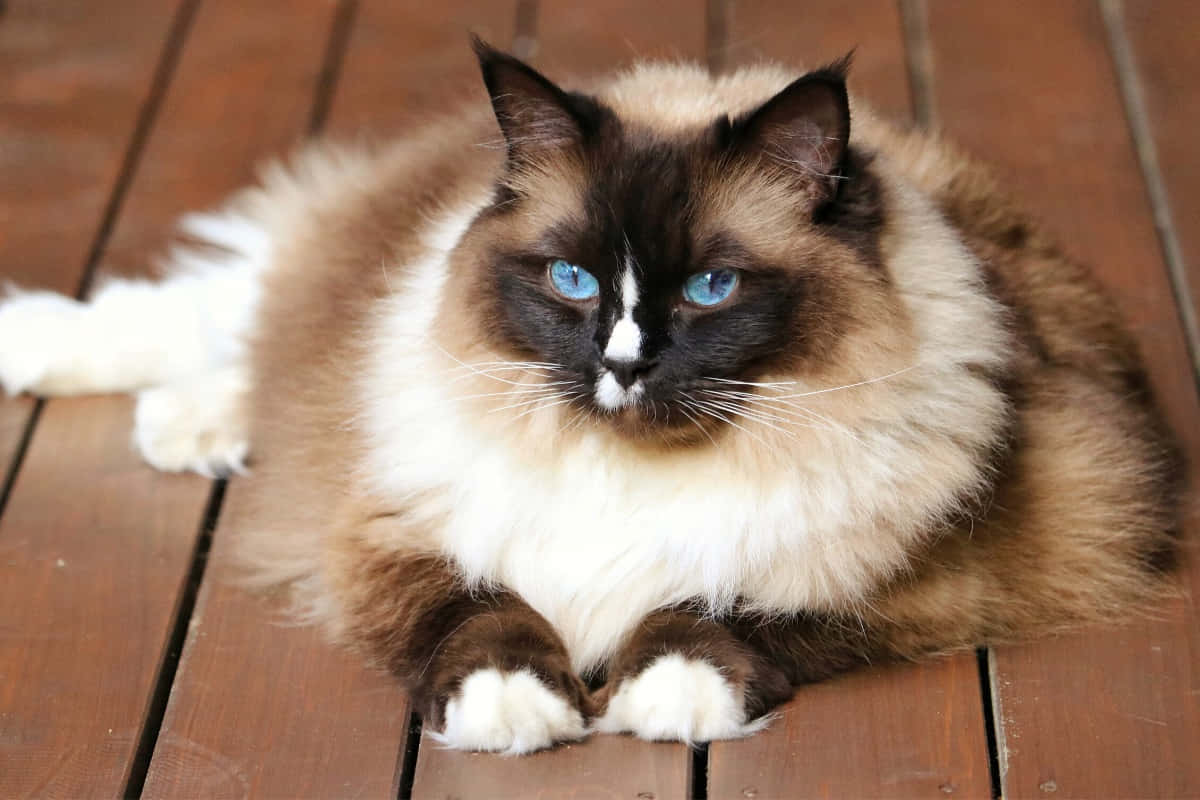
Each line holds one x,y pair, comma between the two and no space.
136,334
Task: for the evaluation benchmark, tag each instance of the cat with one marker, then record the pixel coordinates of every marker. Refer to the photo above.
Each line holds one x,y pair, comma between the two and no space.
633,407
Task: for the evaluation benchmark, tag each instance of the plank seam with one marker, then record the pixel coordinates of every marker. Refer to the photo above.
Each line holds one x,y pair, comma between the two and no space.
163,74
18,457
1138,119
407,773
525,41
698,779
156,711
331,64
718,18
918,57
990,717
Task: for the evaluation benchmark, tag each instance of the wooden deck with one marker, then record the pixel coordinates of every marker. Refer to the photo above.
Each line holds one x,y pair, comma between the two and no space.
129,664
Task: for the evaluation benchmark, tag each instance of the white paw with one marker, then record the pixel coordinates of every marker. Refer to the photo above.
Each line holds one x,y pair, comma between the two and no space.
37,337
678,699
510,713
192,426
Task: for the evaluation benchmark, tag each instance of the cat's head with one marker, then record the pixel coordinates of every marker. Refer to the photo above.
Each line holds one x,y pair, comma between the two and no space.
653,255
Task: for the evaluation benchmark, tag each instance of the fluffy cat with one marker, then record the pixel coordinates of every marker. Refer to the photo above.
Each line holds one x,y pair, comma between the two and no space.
678,385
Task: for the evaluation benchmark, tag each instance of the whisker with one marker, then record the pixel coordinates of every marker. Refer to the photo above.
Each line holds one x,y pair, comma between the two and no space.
848,385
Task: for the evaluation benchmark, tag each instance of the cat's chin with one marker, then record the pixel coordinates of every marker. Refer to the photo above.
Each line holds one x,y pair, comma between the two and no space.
650,426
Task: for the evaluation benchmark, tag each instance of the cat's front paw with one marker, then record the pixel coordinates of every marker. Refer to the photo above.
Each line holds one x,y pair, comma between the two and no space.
678,699
197,425
510,713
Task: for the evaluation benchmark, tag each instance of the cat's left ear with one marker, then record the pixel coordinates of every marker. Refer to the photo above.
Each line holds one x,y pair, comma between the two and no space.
535,115
805,127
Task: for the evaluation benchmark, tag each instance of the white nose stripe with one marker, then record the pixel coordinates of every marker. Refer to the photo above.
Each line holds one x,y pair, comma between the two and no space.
625,341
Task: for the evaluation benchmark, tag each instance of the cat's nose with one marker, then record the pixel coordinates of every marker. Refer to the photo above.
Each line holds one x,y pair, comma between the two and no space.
628,371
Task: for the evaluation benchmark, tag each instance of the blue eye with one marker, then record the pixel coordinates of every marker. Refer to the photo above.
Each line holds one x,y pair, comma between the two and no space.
711,287
573,282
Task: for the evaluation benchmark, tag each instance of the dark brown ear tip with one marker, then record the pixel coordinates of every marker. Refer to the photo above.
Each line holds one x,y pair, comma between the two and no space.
483,51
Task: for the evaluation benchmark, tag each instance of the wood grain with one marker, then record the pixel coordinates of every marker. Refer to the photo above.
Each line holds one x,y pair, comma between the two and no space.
604,766
406,61
79,646
569,42
94,548
910,731
73,76
818,32
1162,36
913,730
586,39
1104,713
262,708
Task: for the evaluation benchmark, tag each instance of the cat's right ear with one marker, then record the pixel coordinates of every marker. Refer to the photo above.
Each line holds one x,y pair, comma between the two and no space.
535,115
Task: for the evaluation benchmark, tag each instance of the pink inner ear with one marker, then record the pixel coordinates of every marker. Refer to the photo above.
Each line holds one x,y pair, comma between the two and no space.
805,145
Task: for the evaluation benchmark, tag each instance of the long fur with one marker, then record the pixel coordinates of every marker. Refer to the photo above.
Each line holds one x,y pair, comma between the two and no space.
974,458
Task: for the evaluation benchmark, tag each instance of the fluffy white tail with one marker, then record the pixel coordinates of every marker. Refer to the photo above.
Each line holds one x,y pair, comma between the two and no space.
179,342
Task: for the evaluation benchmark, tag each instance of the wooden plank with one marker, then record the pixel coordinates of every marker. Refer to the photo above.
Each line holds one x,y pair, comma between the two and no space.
404,61
913,730
264,709
1162,37
1106,712
906,731
61,63
317,723
604,766
73,76
78,644
569,42
814,33
94,548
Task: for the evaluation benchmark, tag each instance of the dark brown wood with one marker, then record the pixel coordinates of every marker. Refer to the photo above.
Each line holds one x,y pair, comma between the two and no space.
79,643
404,61
264,708
806,35
1162,37
243,93
1106,712
911,731
94,548
588,38
73,77
569,41
604,766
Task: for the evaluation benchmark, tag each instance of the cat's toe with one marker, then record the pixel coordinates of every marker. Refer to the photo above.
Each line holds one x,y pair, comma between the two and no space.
510,713
177,431
678,699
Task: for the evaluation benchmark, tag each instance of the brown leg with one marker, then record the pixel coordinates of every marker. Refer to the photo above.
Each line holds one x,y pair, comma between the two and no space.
483,667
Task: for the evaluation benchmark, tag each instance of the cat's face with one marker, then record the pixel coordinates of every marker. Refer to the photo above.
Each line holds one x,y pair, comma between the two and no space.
654,278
